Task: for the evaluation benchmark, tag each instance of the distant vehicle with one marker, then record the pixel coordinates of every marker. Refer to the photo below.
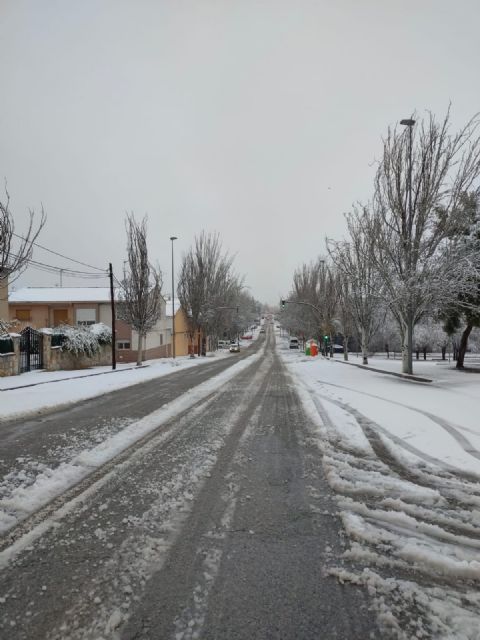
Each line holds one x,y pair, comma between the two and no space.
222,344
294,343
262,330
234,348
246,336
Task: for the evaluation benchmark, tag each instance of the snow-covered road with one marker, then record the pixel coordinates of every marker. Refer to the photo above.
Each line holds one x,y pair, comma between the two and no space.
220,525
233,501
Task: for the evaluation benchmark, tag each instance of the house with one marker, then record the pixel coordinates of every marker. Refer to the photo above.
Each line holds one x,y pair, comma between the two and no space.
184,345
156,344
40,307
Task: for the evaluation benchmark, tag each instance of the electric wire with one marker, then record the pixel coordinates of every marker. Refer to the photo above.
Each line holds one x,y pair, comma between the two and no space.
74,273
36,244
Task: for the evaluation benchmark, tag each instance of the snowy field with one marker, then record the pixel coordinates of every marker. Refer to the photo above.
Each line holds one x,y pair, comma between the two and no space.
404,459
32,484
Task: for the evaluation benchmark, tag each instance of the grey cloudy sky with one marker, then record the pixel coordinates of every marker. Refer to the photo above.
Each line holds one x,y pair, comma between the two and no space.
256,119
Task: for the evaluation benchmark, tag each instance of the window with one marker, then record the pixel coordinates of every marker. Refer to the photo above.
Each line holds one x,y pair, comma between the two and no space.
60,316
123,344
23,315
85,317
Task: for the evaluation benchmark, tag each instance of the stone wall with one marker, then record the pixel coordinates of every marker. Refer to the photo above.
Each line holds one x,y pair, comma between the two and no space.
56,359
10,362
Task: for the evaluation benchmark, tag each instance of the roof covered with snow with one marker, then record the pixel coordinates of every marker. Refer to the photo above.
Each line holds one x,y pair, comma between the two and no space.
60,294
168,307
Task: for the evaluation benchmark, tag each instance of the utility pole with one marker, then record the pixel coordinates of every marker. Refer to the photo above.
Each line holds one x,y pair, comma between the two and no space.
172,238
112,306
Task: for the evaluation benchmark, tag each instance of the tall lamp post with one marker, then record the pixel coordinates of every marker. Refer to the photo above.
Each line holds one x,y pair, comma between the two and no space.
172,238
408,122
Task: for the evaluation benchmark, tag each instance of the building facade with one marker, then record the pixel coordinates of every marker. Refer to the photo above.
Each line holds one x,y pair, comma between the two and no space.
40,307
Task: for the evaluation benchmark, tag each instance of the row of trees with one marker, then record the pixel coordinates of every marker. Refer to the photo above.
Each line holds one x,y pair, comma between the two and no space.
209,290
412,252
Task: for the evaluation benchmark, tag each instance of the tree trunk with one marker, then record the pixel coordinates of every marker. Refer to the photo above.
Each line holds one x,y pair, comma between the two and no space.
139,349
345,347
462,349
424,353
364,347
407,346
444,351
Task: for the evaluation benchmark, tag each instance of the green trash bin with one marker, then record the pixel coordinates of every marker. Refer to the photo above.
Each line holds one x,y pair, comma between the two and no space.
307,350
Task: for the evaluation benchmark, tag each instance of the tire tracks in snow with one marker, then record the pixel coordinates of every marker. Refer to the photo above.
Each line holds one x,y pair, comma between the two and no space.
374,432
464,443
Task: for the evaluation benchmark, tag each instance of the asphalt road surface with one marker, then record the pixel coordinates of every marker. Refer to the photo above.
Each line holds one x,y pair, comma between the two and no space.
221,526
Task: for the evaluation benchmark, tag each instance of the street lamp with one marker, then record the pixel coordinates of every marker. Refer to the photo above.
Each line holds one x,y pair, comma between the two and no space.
172,238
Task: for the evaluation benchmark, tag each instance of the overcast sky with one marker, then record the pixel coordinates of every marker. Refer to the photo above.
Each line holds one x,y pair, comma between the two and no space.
259,120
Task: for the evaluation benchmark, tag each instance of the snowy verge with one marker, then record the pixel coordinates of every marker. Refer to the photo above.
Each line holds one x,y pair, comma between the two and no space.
67,387
408,510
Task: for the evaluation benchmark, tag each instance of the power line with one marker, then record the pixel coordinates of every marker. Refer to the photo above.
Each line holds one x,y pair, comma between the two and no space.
49,268
59,254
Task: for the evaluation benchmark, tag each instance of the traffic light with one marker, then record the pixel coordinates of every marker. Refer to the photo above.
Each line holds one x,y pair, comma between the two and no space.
283,304
326,339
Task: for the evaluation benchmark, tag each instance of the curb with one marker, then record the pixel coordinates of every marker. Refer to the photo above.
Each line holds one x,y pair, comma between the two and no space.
405,376
87,375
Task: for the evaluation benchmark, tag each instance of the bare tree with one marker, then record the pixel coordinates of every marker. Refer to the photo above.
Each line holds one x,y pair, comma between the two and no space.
207,284
420,179
359,277
315,285
142,285
344,311
16,249
306,321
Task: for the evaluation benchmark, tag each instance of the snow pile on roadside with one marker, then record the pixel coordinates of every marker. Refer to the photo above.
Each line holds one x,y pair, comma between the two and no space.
413,519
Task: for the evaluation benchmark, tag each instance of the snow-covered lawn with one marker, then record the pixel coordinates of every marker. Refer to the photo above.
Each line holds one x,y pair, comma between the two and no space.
404,459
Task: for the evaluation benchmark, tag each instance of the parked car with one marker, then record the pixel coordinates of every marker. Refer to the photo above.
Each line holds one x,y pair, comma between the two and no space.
222,344
294,343
234,348
262,330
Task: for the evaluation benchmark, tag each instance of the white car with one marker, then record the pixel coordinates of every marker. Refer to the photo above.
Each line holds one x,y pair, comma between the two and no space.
294,343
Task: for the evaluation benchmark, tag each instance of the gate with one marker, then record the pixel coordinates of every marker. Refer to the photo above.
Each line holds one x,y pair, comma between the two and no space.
31,350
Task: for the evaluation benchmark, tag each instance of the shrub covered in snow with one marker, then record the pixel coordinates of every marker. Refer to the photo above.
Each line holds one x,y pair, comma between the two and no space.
102,332
78,340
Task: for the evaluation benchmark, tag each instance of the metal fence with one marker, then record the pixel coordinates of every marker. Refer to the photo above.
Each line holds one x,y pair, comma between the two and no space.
31,350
